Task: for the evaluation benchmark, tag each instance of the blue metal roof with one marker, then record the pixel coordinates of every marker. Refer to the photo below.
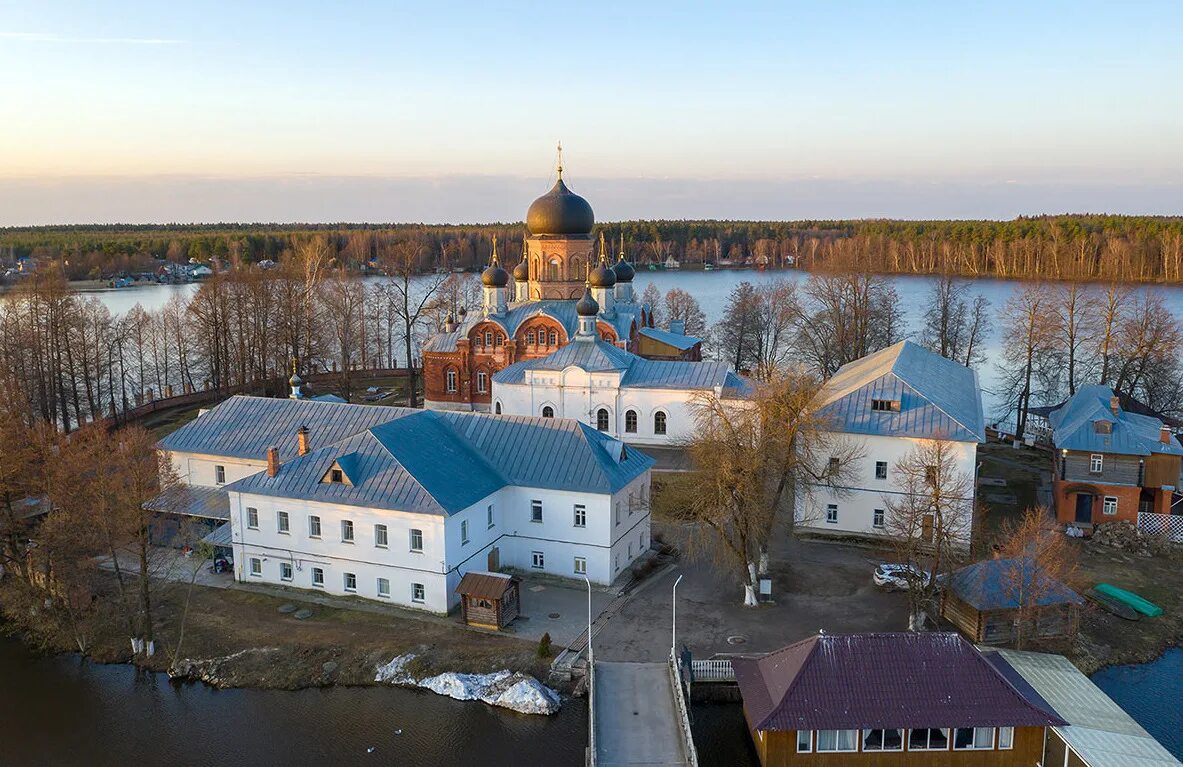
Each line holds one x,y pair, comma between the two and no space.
1131,433
994,584
426,461
938,397
676,340
596,356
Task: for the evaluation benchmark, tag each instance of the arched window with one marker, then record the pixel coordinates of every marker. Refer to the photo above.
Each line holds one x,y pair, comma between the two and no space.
497,408
630,421
659,422
548,412
553,269
529,337
488,338
451,381
554,338
482,381
602,419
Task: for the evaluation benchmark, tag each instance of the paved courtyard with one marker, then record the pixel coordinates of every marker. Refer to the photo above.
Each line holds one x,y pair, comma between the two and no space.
816,586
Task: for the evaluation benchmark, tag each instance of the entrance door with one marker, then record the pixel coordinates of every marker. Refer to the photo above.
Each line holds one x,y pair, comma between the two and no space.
494,560
1084,508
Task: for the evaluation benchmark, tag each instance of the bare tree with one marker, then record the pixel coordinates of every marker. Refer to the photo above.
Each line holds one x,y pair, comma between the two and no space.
413,300
1028,343
651,296
680,305
845,317
746,456
1040,562
1076,312
929,518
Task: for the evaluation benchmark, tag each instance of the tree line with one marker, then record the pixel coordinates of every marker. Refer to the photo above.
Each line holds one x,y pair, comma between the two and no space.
1064,247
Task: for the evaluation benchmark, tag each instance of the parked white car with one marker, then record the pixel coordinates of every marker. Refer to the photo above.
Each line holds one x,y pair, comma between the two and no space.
897,576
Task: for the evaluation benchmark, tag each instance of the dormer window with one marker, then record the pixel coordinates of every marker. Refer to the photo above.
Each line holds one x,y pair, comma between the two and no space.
336,476
885,405
1103,427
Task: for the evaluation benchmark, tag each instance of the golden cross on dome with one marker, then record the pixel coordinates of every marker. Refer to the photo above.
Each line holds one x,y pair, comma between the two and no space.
603,249
494,249
560,161
622,245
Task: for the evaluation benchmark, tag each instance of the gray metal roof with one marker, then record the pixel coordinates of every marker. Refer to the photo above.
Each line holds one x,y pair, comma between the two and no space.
1098,729
244,427
193,501
219,536
1131,433
595,356
442,462
676,340
938,397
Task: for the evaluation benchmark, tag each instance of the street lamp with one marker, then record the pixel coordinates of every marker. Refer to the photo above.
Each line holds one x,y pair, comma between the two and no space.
674,619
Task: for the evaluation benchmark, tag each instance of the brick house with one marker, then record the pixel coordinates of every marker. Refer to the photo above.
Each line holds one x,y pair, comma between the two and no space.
1110,462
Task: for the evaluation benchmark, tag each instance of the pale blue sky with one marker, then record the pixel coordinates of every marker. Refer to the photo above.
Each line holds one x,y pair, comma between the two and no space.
139,111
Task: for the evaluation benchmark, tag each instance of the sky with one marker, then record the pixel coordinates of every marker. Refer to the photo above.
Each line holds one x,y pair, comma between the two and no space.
145,112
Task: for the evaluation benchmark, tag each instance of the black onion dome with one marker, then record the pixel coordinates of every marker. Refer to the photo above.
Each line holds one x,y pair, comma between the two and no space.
560,211
587,306
521,272
495,276
602,276
624,270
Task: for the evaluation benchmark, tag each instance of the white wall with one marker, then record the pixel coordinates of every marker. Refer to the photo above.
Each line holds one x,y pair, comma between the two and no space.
576,394
863,493
198,469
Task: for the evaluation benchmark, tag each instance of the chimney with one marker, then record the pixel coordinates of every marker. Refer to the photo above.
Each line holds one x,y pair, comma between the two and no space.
302,440
1164,435
1115,404
678,326
272,461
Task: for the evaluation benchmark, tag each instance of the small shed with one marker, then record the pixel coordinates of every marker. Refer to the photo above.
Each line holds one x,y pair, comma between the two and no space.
489,600
983,601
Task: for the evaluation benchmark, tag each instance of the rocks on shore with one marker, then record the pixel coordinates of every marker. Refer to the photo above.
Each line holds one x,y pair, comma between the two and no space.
1126,536
506,689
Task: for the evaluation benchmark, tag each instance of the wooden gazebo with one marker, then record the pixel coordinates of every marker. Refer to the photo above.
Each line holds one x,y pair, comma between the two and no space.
489,600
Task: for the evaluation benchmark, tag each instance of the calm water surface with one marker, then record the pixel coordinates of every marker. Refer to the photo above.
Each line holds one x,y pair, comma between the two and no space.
1152,693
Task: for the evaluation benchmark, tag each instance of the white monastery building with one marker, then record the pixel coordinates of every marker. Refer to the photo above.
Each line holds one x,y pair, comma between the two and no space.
394,504
888,402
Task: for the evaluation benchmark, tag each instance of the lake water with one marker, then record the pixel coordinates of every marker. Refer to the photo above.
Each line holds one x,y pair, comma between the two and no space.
1151,693
712,290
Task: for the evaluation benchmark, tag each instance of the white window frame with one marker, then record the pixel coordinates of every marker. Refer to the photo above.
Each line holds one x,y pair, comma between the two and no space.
580,515
345,578
538,560
882,749
1107,508
928,739
252,518
1010,738
314,526
418,593
450,384
290,571
581,565
835,749
385,594
318,584
283,523
973,739
635,418
661,423
482,382
464,532
256,567
411,536
878,518
1096,463
831,513
347,524
381,536
808,749
536,511
219,474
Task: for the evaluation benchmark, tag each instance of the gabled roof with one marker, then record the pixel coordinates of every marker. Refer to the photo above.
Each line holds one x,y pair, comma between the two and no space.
677,340
431,462
881,680
938,397
993,584
598,356
1131,434
244,427
1098,730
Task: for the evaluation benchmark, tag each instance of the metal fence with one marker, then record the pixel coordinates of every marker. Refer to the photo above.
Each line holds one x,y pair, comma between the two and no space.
1168,525
680,703
715,670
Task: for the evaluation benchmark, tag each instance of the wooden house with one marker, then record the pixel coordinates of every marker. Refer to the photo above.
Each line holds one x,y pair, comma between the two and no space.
887,698
983,600
489,600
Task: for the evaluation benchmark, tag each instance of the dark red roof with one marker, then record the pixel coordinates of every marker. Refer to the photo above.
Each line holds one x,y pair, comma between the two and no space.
889,680
485,585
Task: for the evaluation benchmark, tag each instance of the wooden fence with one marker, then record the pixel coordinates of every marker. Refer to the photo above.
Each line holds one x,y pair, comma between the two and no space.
1168,525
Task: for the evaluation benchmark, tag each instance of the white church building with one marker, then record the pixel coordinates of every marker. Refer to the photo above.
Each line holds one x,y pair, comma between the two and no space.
887,403
638,400
396,505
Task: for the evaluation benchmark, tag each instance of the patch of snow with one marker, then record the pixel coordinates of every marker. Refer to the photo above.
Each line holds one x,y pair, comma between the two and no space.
506,689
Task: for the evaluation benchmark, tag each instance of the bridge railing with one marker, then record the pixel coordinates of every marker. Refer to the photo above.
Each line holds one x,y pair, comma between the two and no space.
713,670
679,692
591,712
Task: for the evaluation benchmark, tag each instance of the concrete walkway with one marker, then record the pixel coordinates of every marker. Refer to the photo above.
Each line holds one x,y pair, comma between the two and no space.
636,718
